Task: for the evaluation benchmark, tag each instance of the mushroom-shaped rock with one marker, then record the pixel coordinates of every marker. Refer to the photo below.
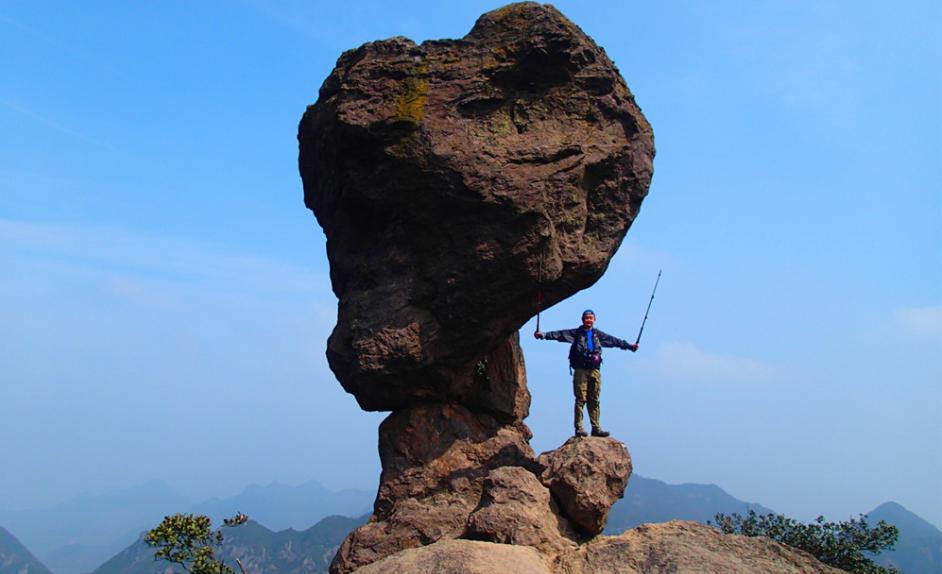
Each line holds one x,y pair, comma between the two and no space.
587,476
447,176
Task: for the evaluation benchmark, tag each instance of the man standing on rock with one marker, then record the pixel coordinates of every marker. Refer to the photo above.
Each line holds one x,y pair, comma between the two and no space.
585,359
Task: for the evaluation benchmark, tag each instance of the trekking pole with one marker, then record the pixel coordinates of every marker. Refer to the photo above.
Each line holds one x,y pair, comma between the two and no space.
638,340
539,294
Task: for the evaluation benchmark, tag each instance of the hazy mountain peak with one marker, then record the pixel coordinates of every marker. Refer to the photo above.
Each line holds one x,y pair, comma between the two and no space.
16,559
901,517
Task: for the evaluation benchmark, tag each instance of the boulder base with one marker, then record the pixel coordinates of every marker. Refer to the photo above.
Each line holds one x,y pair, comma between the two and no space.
586,476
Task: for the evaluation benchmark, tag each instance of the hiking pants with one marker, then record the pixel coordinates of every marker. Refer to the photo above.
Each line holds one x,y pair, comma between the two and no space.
587,386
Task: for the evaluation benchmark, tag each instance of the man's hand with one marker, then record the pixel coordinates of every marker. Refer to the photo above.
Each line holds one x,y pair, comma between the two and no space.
632,347
538,334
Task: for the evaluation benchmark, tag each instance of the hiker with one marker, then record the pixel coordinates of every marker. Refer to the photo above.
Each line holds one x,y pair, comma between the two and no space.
585,359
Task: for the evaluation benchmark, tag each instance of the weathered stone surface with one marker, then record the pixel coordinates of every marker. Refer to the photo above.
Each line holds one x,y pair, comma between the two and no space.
430,447
587,476
500,382
445,175
461,557
435,457
517,509
413,523
686,548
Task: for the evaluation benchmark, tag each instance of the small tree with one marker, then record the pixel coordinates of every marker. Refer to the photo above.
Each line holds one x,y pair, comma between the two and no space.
838,544
190,541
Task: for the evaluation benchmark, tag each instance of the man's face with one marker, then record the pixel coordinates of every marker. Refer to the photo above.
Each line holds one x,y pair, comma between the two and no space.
588,320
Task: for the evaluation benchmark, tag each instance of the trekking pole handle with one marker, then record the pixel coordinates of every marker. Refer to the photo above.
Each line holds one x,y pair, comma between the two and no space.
539,294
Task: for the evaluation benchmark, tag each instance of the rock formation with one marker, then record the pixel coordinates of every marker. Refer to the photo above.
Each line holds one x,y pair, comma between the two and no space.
452,179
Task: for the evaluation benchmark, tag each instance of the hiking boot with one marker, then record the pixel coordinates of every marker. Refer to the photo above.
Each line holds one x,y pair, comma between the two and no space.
600,432
580,432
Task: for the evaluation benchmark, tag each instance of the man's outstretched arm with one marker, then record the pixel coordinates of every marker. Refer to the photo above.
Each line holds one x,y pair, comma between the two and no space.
566,335
610,341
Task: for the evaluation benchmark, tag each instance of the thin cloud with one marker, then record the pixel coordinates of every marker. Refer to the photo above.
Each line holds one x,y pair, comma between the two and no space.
921,320
680,362
53,124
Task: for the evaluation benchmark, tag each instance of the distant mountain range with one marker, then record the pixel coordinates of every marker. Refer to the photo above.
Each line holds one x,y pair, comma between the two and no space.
16,559
648,500
78,535
295,547
279,507
260,550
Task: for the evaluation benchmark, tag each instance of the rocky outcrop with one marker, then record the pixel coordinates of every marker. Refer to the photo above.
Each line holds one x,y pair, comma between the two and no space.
453,179
450,473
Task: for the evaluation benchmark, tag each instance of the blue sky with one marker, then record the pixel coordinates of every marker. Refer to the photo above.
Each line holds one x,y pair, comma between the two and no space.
164,298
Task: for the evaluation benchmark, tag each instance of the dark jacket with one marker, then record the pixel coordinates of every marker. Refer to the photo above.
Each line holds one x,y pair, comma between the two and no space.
580,349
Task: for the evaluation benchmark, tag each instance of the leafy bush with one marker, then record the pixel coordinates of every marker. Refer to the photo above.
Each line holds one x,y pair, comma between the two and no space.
190,541
838,544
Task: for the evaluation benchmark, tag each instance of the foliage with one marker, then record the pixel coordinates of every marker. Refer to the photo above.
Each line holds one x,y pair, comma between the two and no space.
190,541
838,544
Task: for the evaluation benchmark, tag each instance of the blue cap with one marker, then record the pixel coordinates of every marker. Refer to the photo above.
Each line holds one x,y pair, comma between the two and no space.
588,312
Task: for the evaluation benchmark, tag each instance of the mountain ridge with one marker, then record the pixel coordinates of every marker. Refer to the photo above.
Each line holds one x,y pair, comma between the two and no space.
16,558
649,500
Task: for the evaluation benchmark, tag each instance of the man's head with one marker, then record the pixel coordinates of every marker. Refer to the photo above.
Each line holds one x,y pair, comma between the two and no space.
588,318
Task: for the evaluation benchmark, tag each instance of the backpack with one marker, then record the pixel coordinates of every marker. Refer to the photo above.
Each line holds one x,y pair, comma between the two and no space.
581,358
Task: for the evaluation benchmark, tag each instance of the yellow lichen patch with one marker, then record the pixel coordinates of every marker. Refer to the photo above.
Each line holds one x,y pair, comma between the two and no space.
498,55
411,102
501,124
512,15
